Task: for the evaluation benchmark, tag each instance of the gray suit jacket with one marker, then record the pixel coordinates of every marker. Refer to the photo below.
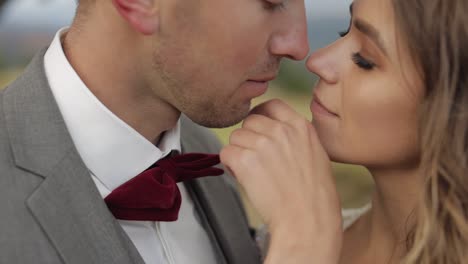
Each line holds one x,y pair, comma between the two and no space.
51,211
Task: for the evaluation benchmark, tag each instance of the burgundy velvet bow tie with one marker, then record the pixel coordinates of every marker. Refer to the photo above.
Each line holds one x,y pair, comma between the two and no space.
153,195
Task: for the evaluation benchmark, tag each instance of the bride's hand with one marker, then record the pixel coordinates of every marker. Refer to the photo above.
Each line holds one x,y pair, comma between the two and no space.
277,157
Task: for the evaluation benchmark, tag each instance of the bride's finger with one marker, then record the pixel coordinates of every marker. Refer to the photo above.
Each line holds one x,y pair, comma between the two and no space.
248,139
260,124
237,159
276,110
289,136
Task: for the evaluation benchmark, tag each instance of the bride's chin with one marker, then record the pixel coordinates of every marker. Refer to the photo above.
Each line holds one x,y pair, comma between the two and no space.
327,136
332,147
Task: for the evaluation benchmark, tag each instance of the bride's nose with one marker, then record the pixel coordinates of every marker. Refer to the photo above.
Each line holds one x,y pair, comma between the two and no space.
325,63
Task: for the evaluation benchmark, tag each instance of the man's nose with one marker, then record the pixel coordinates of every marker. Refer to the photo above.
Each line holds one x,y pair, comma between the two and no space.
291,40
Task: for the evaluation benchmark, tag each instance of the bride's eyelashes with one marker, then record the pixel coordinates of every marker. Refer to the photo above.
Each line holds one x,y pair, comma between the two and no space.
343,33
363,63
357,58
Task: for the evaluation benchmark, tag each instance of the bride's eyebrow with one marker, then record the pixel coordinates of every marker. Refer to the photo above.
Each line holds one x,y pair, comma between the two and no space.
371,32
368,30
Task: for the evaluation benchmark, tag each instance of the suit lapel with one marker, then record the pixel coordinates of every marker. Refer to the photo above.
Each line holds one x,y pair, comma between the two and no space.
67,204
222,210
205,222
226,220
71,212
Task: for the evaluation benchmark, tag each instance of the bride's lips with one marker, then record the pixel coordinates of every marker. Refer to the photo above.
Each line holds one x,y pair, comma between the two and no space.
318,108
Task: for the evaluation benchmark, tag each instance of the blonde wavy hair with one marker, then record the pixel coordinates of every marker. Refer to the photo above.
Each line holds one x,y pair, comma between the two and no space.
436,32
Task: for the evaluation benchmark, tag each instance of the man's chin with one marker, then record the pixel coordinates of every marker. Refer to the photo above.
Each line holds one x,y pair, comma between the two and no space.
220,120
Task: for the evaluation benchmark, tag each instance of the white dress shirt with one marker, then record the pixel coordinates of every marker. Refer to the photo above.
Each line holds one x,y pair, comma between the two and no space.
114,153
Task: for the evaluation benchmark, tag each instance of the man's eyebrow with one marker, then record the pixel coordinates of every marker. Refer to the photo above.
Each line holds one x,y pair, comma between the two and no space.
370,31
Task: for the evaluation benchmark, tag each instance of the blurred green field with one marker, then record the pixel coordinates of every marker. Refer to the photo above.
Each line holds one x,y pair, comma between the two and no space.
353,182
8,75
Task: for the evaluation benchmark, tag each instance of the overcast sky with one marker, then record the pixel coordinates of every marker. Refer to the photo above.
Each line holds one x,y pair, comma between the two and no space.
60,11
317,9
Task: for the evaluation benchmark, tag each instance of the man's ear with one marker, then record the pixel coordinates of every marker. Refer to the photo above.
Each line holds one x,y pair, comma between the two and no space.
142,15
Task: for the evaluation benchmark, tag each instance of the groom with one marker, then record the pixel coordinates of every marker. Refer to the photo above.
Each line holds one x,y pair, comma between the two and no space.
103,103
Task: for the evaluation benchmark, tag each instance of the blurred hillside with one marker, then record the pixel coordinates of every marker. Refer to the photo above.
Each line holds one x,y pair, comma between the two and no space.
28,25
20,41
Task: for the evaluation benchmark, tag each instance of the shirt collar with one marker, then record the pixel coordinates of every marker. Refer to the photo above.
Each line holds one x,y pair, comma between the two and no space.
112,150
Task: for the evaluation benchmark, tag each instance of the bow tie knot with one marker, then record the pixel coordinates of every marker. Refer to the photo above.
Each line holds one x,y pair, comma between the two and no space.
153,195
169,168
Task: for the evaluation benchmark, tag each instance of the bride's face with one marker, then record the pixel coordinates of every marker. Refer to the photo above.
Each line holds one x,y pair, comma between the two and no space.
372,92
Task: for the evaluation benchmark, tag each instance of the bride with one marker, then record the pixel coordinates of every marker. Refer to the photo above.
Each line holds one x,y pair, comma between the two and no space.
392,96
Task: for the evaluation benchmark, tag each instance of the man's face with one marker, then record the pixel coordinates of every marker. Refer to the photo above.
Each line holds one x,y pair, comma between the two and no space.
211,57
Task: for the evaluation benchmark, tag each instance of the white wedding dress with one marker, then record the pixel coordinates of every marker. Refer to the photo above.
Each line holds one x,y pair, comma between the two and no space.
351,215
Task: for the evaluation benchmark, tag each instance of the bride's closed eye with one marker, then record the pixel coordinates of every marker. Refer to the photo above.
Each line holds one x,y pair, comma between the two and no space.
356,57
361,62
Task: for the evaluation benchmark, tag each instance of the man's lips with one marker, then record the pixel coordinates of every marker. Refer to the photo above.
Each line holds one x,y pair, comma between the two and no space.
267,78
258,85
